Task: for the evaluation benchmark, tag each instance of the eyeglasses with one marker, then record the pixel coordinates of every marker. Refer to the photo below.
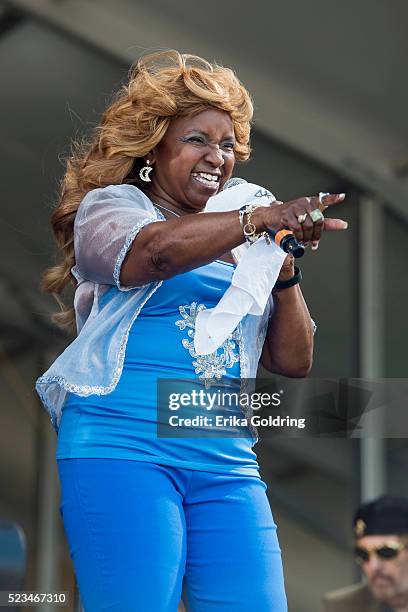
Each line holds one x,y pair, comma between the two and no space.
389,550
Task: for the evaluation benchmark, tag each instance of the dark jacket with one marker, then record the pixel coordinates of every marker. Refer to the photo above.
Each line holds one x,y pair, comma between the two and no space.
355,598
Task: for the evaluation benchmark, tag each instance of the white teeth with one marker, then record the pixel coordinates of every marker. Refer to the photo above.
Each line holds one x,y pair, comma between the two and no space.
208,177
205,181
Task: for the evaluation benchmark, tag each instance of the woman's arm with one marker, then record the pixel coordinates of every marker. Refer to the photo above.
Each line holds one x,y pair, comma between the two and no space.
162,250
288,346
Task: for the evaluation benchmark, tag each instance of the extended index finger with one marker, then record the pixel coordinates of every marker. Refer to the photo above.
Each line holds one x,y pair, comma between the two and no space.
332,225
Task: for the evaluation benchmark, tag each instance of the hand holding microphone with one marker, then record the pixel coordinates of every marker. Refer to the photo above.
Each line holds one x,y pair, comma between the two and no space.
302,217
292,225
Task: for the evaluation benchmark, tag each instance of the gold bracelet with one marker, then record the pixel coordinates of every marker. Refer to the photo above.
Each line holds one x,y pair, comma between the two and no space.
249,228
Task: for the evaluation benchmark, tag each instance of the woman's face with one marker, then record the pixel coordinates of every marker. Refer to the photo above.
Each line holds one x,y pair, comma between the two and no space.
193,160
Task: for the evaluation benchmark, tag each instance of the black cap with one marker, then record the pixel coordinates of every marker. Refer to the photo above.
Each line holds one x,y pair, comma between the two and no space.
385,515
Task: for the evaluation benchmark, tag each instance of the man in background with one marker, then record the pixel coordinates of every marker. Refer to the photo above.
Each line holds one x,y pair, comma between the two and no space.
381,549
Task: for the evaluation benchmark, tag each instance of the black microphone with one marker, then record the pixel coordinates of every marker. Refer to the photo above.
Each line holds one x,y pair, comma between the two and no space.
284,238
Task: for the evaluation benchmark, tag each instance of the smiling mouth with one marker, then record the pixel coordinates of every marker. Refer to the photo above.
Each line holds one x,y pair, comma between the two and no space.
209,180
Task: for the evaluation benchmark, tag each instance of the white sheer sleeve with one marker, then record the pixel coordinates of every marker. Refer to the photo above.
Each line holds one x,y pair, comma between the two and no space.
107,222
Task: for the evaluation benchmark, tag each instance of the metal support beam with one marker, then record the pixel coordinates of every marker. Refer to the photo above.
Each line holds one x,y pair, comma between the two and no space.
371,329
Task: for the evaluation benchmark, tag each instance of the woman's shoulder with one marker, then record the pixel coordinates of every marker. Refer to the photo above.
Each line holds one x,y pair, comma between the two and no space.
123,191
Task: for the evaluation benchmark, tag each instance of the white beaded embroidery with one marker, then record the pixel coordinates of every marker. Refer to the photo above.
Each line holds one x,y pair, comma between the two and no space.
210,367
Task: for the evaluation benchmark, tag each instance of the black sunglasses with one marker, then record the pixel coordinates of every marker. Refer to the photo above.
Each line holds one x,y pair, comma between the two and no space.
390,550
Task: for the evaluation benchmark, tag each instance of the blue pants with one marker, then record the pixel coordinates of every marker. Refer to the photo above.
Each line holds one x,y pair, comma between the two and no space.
140,533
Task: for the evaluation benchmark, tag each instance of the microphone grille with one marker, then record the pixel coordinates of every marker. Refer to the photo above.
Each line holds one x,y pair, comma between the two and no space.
233,182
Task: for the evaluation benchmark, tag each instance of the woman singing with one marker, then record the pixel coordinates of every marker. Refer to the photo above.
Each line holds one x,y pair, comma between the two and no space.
149,517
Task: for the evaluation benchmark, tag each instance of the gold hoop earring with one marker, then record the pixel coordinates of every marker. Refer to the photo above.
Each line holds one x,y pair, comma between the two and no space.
145,171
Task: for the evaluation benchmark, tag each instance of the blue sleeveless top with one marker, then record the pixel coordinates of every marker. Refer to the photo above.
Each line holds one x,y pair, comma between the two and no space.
123,424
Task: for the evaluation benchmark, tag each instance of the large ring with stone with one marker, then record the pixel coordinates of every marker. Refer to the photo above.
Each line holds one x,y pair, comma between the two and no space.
316,215
302,218
321,205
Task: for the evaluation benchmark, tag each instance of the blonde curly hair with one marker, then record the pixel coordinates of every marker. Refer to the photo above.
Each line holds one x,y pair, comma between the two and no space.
161,86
